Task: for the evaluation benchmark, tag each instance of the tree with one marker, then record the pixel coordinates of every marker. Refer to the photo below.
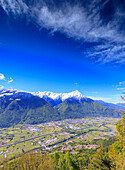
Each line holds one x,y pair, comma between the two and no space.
101,160
66,162
117,150
31,161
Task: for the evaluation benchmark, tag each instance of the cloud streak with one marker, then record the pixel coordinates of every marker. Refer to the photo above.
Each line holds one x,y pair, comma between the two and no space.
11,80
14,6
87,22
1,86
121,86
5,80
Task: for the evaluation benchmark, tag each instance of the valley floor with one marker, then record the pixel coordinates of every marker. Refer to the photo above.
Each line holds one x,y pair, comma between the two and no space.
71,134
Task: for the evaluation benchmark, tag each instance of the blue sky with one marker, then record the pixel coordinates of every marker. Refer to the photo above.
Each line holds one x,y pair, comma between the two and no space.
61,46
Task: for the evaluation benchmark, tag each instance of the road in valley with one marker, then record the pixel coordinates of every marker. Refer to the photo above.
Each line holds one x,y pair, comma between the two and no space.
53,134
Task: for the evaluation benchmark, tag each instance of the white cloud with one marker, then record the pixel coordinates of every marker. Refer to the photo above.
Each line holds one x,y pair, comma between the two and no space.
99,98
14,6
11,80
6,80
121,86
106,53
1,86
2,77
79,22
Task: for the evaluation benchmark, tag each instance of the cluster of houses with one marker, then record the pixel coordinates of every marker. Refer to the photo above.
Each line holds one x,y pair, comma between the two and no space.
30,129
109,134
77,121
50,141
48,124
66,121
80,147
50,148
72,127
45,143
91,146
67,148
4,152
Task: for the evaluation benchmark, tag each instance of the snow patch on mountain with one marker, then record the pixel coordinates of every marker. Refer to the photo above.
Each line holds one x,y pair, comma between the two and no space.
63,96
46,94
14,93
7,92
60,97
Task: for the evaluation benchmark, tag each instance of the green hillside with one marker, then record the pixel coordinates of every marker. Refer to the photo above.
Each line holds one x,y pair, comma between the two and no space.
85,108
30,109
27,108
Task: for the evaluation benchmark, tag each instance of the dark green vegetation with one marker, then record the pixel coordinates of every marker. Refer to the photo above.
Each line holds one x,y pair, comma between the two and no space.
26,108
84,108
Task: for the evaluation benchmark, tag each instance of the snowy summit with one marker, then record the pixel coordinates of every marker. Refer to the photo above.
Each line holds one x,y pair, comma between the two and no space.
63,96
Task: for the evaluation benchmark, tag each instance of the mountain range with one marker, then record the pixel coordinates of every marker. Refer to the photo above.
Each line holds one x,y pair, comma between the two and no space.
33,108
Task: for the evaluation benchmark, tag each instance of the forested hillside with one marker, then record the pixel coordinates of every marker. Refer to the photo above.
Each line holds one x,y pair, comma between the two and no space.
71,108
30,109
26,108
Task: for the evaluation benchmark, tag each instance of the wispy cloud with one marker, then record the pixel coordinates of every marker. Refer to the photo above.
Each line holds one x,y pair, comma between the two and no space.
5,80
82,21
79,22
14,6
11,80
121,86
99,98
1,86
113,53
2,77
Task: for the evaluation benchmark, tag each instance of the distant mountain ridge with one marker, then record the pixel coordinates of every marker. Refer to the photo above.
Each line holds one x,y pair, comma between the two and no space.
58,98
33,108
111,105
63,96
84,108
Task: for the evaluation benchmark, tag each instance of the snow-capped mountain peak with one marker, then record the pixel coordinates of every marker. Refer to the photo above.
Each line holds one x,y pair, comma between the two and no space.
7,92
14,93
63,96
75,94
46,94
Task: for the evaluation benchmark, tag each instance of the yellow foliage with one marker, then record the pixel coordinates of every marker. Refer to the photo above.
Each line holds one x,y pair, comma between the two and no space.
31,161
